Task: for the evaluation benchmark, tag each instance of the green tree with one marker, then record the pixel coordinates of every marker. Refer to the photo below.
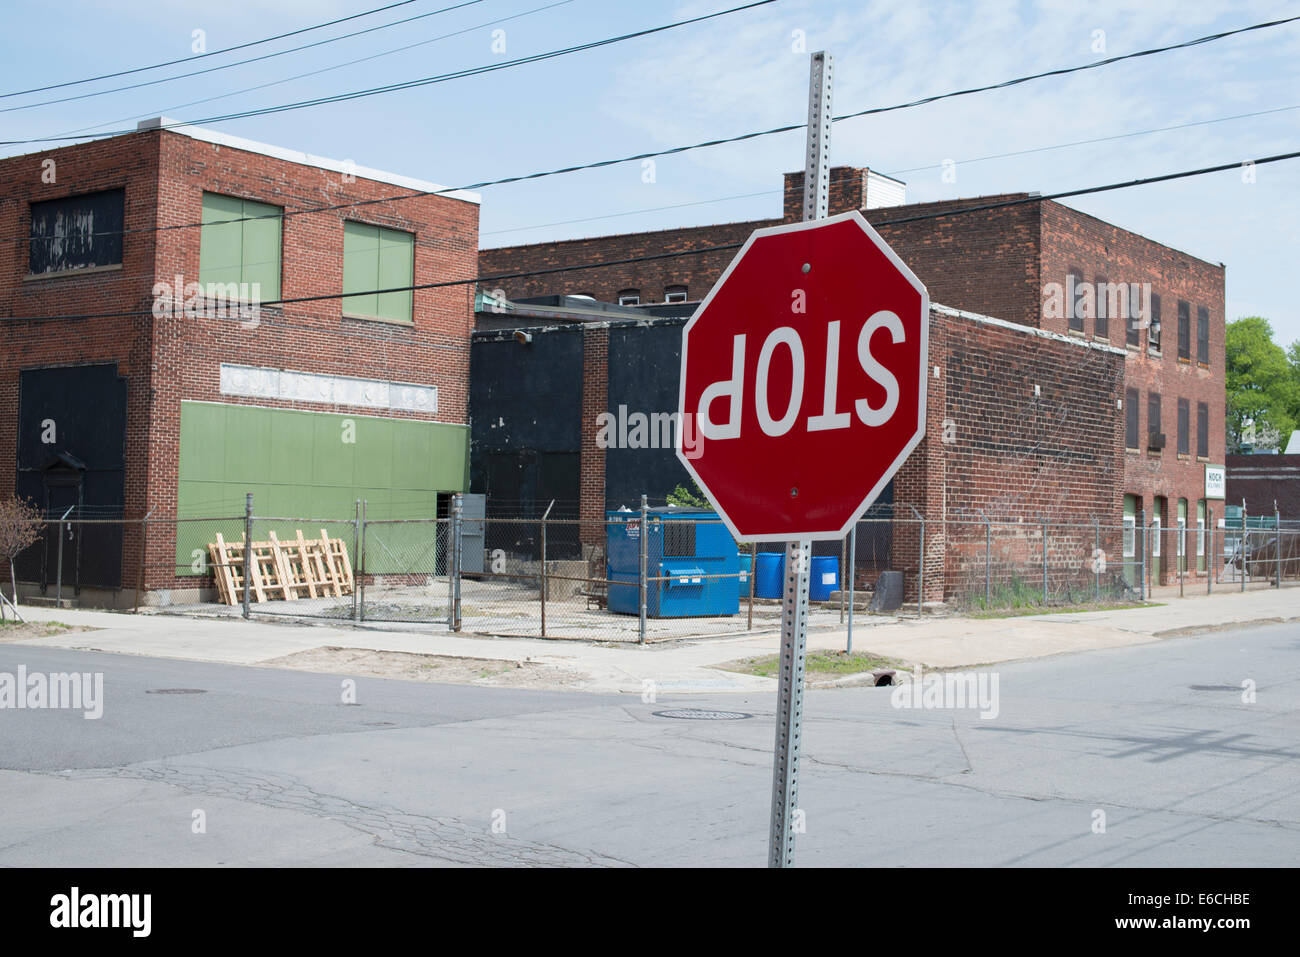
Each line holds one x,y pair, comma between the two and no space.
692,497
1263,387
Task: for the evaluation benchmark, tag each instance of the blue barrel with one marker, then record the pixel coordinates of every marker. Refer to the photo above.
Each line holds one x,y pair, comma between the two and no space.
767,579
825,577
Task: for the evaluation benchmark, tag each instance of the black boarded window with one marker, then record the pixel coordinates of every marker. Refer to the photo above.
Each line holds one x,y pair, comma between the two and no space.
76,233
1182,426
1203,335
1202,430
1131,418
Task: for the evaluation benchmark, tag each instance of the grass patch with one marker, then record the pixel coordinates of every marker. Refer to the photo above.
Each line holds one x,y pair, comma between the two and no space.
1023,611
834,663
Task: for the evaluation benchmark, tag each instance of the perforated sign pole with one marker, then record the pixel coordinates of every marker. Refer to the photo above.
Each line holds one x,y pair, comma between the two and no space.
786,817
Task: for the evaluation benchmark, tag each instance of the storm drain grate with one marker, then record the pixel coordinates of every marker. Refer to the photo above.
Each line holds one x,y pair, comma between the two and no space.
177,691
703,714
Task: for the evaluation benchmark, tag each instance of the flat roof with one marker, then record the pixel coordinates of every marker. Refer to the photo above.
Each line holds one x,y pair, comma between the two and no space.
306,159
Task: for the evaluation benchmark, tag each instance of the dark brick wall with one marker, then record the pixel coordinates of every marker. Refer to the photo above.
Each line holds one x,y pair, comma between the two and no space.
1263,480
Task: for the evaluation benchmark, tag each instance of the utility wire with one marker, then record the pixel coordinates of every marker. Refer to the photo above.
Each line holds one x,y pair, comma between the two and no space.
937,214
694,146
198,56
425,81
900,172
227,66
337,66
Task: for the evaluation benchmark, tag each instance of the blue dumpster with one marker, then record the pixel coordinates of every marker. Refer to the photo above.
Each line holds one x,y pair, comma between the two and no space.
768,579
686,552
825,577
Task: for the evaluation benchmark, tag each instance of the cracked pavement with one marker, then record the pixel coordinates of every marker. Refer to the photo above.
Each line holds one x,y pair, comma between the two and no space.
281,771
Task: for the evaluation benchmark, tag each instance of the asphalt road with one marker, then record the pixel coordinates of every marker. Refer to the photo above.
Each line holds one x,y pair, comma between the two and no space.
1155,740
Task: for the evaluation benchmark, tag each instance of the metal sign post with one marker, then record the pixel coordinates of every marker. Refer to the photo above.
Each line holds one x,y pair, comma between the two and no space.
798,557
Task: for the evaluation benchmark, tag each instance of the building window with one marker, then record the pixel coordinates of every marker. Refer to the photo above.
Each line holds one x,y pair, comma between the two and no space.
1182,427
1131,419
377,258
1079,306
240,243
1130,543
1202,430
1155,441
629,297
1153,330
675,294
1181,549
1203,336
1200,535
1133,315
1184,331
1102,326
1155,536
79,232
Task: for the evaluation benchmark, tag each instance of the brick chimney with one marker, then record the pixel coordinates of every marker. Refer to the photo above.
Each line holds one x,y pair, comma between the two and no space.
852,187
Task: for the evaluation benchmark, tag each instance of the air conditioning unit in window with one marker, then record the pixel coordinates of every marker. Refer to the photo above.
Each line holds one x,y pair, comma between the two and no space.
1156,441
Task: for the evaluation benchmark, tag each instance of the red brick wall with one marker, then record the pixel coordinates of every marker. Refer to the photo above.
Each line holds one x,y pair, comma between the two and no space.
169,360
1074,240
26,343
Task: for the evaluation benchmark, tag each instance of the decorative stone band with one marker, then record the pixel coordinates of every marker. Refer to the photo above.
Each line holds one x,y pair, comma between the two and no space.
264,383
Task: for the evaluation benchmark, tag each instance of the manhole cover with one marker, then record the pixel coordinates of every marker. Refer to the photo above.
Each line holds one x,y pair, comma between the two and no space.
177,691
1215,687
702,714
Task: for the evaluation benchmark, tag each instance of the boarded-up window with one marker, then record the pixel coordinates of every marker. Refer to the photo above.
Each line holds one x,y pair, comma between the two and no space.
1203,335
78,232
1131,418
240,243
1184,331
1182,427
1153,420
1104,303
1153,331
1202,430
1080,303
377,258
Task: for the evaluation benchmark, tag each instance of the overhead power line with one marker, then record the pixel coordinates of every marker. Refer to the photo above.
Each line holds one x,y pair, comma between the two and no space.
198,56
327,69
227,66
937,214
428,80
911,169
652,154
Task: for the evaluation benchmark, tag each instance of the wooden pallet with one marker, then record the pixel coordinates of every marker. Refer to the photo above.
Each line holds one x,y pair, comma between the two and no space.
283,571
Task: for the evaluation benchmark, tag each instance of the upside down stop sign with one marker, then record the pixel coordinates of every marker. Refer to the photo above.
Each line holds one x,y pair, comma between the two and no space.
803,379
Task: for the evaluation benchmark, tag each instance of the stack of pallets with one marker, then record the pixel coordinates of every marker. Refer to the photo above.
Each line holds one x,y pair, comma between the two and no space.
297,568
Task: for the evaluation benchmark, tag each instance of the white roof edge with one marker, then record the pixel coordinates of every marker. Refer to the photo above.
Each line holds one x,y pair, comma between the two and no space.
306,159
1027,330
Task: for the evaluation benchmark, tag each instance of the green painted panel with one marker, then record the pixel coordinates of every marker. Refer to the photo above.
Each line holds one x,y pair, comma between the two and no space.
296,464
242,250
360,268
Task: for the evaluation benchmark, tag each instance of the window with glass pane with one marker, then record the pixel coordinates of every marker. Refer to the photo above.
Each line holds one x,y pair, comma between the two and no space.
376,258
240,243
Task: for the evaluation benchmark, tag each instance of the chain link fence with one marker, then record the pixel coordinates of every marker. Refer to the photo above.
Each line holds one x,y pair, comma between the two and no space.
635,575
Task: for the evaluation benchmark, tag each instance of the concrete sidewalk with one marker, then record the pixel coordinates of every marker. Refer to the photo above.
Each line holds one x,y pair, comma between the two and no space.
690,666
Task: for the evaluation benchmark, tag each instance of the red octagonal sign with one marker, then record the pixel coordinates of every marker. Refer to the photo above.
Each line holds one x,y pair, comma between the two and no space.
803,379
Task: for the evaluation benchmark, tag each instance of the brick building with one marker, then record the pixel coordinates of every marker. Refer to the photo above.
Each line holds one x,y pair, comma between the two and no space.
204,387
1012,257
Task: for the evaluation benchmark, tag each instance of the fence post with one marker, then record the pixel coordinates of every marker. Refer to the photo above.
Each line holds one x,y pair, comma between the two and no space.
1044,563
248,553
1277,539
645,534
1096,555
545,516
920,585
844,547
988,560
139,578
753,573
456,509
1245,567
1140,528
853,569
1211,562
58,579
356,554
360,574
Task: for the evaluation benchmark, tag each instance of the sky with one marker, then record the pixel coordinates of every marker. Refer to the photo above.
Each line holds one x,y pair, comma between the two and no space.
723,77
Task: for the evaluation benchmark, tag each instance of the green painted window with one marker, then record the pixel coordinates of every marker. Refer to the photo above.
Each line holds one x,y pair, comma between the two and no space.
377,258
235,248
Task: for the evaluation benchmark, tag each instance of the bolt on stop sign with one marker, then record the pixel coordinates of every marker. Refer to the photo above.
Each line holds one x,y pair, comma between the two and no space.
803,379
